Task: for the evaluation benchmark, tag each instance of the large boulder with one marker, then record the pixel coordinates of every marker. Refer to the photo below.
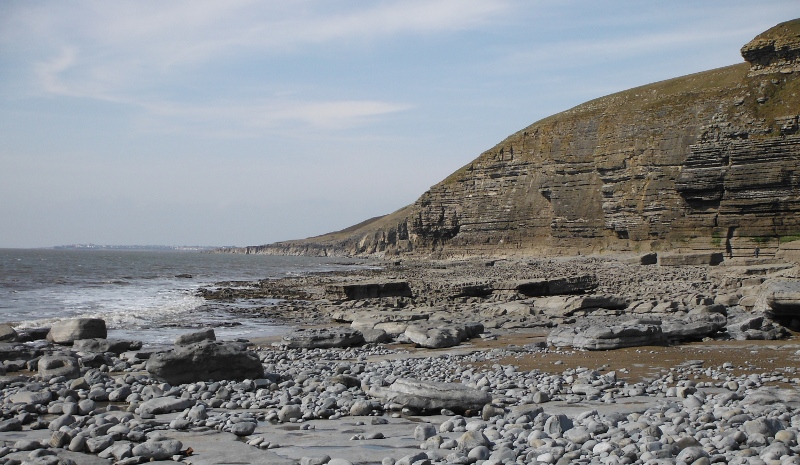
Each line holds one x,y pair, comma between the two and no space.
438,335
606,337
203,361
7,333
693,327
324,338
430,395
68,331
780,297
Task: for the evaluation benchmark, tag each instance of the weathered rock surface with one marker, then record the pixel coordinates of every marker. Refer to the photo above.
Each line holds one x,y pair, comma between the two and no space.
203,361
357,291
606,337
430,395
196,336
323,338
68,331
781,297
51,366
438,335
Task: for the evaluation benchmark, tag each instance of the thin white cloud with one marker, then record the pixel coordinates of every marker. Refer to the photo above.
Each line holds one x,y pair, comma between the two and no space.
269,115
112,51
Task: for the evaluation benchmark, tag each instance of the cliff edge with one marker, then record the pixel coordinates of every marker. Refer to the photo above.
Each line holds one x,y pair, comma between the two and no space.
709,161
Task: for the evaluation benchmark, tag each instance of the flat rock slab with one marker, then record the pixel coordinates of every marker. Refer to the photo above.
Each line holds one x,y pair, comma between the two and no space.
215,448
368,290
431,396
551,286
606,337
690,259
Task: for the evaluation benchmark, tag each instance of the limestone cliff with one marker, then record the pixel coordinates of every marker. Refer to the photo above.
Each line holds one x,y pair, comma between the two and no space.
705,161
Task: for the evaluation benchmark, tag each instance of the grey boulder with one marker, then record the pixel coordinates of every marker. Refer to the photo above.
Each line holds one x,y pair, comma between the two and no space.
68,331
204,361
196,336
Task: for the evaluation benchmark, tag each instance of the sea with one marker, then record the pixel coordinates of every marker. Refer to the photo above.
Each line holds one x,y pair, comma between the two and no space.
146,295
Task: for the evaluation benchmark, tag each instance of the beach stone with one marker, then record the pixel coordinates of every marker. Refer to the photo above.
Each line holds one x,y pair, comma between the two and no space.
424,431
691,454
472,439
323,338
51,366
31,397
12,424
203,361
315,460
290,412
556,425
15,351
431,395
244,428
361,407
165,405
99,443
158,449
196,336
99,345
375,336
7,333
68,331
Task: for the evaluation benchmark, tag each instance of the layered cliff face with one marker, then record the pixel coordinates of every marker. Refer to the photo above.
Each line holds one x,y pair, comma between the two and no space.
706,161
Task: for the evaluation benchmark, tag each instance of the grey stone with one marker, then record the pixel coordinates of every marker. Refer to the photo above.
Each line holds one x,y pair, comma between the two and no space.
51,366
158,449
165,405
203,361
244,428
100,345
68,331
430,395
7,333
196,336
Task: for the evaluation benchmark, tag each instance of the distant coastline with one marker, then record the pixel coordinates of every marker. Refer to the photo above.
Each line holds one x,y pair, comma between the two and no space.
200,248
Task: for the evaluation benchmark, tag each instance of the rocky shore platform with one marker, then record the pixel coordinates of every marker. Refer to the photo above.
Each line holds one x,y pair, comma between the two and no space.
590,360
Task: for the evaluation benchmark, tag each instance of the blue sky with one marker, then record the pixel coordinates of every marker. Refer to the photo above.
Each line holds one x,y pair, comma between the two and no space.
246,122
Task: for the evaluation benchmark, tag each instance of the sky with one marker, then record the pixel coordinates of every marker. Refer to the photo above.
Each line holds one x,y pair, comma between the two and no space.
246,122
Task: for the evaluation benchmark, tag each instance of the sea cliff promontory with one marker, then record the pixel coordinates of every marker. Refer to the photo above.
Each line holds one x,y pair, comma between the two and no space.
706,162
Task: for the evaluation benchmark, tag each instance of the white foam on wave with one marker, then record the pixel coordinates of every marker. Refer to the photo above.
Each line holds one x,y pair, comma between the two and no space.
129,307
